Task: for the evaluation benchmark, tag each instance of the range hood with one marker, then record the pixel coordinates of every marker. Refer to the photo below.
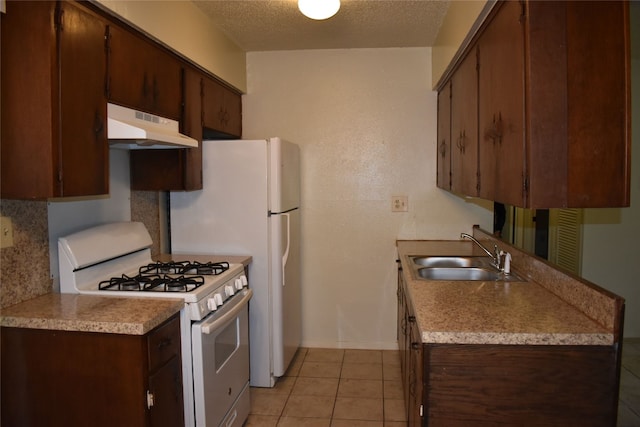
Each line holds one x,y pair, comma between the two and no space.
133,130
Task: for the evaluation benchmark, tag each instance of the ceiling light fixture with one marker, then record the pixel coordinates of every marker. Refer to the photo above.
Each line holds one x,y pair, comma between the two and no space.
319,9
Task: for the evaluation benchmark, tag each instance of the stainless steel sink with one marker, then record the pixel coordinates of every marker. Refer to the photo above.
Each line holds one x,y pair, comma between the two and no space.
475,268
452,261
460,273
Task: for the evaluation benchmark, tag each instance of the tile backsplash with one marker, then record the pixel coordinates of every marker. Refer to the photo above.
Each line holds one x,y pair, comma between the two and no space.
25,271
24,268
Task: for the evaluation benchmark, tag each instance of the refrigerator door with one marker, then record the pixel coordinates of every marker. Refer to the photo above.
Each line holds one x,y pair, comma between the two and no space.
284,211
284,175
287,318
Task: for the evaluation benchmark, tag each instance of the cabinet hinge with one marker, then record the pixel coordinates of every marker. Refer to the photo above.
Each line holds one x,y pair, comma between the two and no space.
59,175
478,183
149,399
107,52
58,17
525,186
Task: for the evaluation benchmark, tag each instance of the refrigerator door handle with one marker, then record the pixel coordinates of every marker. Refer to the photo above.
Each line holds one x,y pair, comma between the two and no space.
285,257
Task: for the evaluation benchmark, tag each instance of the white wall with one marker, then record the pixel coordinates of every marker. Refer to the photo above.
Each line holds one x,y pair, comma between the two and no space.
365,120
70,214
611,237
460,20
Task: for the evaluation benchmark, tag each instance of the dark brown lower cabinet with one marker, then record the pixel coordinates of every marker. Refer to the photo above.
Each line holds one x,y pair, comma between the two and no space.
69,378
481,385
514,385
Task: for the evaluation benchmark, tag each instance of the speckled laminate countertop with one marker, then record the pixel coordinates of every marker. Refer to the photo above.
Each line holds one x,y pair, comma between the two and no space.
108,314
88,313
478,312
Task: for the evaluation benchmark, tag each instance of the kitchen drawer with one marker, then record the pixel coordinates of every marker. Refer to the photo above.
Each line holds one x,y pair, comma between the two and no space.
164,343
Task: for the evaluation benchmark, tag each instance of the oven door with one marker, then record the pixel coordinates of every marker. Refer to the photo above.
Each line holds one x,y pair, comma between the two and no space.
220,351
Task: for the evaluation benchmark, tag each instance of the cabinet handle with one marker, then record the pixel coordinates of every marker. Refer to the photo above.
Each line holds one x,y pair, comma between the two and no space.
415,346
223,116
495,131
98,126
166,342
156,91
443,148
145,90
461,141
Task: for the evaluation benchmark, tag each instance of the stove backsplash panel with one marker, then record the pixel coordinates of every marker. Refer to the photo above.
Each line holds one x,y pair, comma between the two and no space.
25,271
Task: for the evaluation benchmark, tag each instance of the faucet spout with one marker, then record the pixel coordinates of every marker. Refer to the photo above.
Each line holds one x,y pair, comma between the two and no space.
494,256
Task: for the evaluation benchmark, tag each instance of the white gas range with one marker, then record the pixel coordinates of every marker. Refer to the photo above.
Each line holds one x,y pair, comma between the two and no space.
115,260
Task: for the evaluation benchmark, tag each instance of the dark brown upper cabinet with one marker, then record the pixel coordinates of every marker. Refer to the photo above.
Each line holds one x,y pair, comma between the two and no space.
211,111
181,168
54,135
443,179
221,110
142,75
553,103
464,125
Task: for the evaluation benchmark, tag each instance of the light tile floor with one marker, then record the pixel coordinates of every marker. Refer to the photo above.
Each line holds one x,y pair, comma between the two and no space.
629,403
333,388
362,388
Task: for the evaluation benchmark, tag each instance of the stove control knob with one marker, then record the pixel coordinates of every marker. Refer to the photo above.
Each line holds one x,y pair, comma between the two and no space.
238,284
228,289
243,278
218,299
212,304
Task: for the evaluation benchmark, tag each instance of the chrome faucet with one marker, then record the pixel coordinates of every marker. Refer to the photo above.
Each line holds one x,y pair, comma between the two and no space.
495,256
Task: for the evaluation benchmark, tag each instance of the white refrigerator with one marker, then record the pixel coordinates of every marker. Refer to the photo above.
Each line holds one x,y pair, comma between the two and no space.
250,205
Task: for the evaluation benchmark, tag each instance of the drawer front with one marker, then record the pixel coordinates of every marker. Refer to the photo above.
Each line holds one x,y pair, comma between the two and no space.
164,343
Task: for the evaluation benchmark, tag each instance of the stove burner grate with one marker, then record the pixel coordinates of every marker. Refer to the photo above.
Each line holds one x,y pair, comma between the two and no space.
152,283
126,283
168,283
185,267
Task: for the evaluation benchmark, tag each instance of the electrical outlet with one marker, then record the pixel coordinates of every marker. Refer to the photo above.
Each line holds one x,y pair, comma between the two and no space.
6,232
399,203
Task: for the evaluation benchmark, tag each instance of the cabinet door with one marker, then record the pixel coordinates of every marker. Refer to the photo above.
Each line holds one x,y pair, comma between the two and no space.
84,162
53,101
165,385
501,106
164,400
444,138
464,127
142,75
221,110
181,168
28,49
415,413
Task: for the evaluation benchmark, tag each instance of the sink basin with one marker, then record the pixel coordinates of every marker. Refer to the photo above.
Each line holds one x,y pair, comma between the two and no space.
452,261
453,273
454,268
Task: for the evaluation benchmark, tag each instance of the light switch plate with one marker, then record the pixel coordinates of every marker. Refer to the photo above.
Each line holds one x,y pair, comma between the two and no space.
399,203
6,232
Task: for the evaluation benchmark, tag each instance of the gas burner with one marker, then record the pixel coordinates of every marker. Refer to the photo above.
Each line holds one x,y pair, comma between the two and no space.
168,283
126,283
185,267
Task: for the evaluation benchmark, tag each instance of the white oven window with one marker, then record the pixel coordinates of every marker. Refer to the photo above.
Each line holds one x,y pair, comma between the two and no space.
227,341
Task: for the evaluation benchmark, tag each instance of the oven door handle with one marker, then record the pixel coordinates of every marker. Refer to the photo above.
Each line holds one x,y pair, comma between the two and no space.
209,326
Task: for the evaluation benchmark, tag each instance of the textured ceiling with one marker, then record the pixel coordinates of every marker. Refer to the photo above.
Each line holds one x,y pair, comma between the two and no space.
259,25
